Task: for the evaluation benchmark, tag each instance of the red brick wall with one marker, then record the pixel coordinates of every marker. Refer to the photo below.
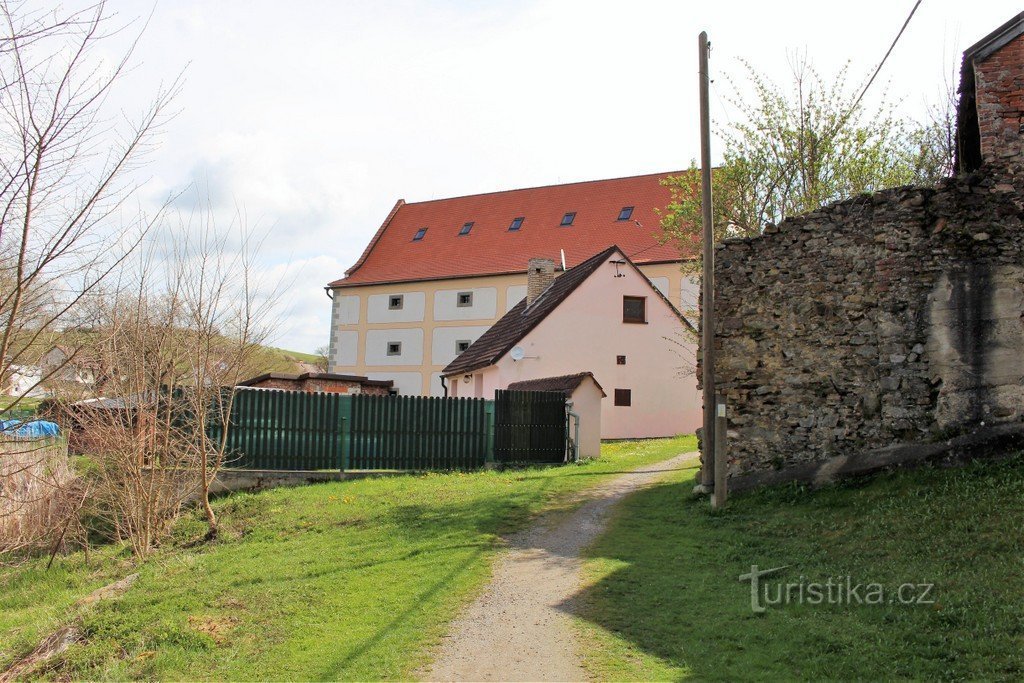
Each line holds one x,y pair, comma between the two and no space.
331,386
999,88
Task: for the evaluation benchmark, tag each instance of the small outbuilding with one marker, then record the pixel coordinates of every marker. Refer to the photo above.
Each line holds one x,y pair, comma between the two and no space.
323,382
585,394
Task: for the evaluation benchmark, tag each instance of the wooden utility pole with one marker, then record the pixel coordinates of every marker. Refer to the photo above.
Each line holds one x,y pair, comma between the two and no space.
707,473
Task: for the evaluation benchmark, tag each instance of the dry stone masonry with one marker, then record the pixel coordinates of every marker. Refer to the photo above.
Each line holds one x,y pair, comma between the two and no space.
885,319
873,329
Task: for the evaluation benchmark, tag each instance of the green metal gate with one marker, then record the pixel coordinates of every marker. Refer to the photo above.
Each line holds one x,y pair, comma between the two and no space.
529,426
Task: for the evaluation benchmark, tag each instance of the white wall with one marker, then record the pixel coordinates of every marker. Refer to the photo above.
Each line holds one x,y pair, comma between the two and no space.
346,349
413,305
442,344
485,304
347,308
377,346
436,389
513,295
689,294
407,383
586,402
661,283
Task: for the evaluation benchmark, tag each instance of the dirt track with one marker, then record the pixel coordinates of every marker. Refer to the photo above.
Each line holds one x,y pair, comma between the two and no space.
517,630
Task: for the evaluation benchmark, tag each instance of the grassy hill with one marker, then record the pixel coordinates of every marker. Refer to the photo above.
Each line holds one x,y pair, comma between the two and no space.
283,360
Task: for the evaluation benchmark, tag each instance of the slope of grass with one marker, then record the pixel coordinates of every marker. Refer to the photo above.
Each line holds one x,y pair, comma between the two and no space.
352,580
665,601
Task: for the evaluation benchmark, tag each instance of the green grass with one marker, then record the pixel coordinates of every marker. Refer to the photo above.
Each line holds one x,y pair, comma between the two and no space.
664,601
352,580
24,404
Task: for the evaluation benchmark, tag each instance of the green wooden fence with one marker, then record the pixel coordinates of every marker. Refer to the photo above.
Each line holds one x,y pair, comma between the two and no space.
284,430
530,426
419,433
291,430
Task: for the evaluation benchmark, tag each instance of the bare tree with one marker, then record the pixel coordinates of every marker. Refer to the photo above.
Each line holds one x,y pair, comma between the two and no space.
65,171
185,326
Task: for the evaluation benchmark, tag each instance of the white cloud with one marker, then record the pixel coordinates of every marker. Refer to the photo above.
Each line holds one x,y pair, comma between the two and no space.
316,116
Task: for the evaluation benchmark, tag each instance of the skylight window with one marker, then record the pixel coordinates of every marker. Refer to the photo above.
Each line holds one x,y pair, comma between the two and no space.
419,234
626,213
516,224
466,228
568,218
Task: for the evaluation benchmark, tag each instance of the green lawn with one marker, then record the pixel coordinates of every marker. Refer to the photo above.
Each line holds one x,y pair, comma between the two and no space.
352,580
664,601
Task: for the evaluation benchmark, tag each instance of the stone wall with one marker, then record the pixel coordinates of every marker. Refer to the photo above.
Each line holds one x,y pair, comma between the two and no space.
887,319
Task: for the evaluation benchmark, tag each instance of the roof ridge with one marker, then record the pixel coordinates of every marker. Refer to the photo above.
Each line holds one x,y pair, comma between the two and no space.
586,263
545,186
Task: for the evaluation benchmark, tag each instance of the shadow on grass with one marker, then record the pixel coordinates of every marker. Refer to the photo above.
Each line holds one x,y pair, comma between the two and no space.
338,669
669,585
645,470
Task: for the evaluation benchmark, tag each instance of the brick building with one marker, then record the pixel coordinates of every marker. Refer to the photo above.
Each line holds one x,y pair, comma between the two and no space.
990,116
325,382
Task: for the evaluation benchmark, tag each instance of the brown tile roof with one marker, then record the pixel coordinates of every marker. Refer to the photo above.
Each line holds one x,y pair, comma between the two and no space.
316,375
513,326
490,248
565,384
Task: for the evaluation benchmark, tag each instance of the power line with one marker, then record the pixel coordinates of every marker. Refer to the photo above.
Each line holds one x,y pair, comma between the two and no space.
882,63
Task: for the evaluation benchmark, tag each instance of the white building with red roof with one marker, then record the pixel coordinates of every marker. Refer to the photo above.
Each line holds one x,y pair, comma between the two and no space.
440,273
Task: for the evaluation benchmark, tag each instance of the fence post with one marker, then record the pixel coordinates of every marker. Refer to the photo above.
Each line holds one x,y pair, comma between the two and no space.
489,426
345,427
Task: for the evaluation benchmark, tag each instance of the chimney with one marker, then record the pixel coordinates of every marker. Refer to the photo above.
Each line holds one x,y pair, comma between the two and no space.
540,272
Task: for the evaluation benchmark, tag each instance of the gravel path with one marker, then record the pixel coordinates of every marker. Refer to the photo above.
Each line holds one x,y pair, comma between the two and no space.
517,630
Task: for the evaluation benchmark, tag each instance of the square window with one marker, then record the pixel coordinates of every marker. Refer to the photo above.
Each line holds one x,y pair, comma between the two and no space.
396,302
461,345
623,397
568,218
466,228
634,309
626,213
620,360
394,348
419,234
516,224
464,299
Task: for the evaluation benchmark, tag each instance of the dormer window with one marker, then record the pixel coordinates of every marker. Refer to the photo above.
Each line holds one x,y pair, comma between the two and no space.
626,213
419,234
516,224
466,228
568,218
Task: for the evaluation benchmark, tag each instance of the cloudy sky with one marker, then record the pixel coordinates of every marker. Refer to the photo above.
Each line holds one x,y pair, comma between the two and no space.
314,117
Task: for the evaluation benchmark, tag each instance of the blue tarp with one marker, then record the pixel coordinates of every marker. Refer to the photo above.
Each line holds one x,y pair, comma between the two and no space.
34,429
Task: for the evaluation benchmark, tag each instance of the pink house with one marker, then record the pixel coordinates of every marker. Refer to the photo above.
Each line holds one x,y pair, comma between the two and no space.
602,317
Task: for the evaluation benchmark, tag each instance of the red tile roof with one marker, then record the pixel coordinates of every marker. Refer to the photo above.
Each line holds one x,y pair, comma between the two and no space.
489,248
